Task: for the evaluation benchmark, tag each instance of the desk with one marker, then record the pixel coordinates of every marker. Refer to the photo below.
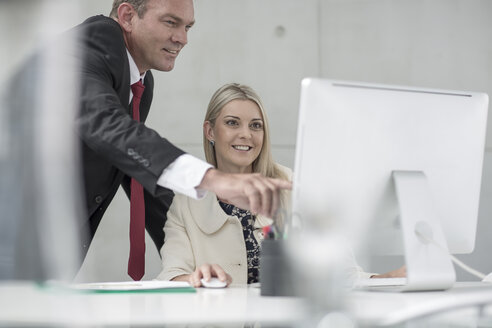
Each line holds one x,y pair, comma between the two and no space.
25,304
384,309
29,305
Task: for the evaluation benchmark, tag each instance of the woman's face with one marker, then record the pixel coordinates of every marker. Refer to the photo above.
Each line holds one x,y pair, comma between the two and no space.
238,136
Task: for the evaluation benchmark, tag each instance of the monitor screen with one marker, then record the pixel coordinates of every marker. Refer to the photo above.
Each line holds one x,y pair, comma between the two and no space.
367,151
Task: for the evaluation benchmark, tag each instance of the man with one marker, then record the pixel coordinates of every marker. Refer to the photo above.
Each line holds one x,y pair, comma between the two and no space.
118,51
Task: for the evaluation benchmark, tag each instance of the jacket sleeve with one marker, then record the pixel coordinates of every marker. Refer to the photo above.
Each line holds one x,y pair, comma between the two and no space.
177,253
104,122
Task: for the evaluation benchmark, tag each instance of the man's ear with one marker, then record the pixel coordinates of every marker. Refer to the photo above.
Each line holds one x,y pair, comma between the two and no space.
126,12
208,130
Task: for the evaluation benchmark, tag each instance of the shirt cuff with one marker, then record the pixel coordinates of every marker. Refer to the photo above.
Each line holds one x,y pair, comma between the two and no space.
184,175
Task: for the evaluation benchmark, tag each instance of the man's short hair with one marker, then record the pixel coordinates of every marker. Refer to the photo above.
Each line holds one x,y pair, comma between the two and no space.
139,6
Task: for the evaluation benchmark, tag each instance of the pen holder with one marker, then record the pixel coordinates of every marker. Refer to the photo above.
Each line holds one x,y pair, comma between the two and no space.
275,270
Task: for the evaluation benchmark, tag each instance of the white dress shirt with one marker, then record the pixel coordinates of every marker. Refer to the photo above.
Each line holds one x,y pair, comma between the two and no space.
186,172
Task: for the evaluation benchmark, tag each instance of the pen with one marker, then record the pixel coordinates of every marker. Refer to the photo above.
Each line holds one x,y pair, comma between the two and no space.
268,232
280,224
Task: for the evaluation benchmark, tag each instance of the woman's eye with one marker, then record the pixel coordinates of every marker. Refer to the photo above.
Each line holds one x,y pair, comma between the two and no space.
256,126
231,122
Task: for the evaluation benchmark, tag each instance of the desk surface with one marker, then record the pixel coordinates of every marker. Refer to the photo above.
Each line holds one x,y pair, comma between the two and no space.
26,304
388,308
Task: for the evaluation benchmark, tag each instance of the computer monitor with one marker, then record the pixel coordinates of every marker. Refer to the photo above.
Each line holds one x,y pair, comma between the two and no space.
397,166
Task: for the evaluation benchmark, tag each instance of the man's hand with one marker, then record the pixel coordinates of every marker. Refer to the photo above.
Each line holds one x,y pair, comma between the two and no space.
254,192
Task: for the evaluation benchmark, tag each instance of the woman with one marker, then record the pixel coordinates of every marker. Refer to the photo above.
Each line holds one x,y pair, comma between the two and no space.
199,232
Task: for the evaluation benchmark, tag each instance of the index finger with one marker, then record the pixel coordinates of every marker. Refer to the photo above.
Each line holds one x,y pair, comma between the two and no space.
205,271
282,184
219,272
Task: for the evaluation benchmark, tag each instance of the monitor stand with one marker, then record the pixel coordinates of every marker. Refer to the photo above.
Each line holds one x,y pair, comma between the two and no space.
429,267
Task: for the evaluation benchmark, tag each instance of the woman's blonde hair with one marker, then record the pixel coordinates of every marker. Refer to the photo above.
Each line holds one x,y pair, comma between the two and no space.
264,163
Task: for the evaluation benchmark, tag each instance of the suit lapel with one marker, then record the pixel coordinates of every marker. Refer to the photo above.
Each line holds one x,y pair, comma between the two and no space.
147,96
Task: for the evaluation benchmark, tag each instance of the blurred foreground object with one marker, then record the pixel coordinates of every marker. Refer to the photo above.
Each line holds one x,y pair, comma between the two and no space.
39,173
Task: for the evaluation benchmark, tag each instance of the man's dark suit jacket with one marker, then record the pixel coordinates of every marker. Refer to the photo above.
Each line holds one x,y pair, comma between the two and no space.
114,146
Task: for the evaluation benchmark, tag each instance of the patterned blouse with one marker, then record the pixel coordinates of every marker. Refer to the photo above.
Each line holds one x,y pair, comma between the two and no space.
252,246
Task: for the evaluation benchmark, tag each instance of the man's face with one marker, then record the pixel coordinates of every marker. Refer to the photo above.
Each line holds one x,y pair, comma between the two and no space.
156,39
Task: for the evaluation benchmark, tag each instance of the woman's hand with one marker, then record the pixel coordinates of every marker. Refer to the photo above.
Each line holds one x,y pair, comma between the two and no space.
205,271
398,273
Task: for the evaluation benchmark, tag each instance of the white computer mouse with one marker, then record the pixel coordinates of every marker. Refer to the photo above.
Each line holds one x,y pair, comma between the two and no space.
488,278
213,283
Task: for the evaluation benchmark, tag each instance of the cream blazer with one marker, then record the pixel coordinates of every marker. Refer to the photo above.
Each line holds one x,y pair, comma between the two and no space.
199,231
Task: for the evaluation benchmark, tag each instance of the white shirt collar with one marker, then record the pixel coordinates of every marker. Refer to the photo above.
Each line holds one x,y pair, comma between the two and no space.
134,72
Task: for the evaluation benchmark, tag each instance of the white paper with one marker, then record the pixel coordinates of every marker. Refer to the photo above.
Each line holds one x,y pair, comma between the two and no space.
132,285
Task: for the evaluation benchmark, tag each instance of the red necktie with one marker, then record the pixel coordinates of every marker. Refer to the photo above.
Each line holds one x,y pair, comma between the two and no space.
136,261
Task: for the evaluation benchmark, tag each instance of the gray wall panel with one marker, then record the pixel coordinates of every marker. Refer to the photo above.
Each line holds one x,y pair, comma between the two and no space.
272,44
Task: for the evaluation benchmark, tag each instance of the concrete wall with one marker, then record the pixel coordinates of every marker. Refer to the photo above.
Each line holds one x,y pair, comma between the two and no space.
271,45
